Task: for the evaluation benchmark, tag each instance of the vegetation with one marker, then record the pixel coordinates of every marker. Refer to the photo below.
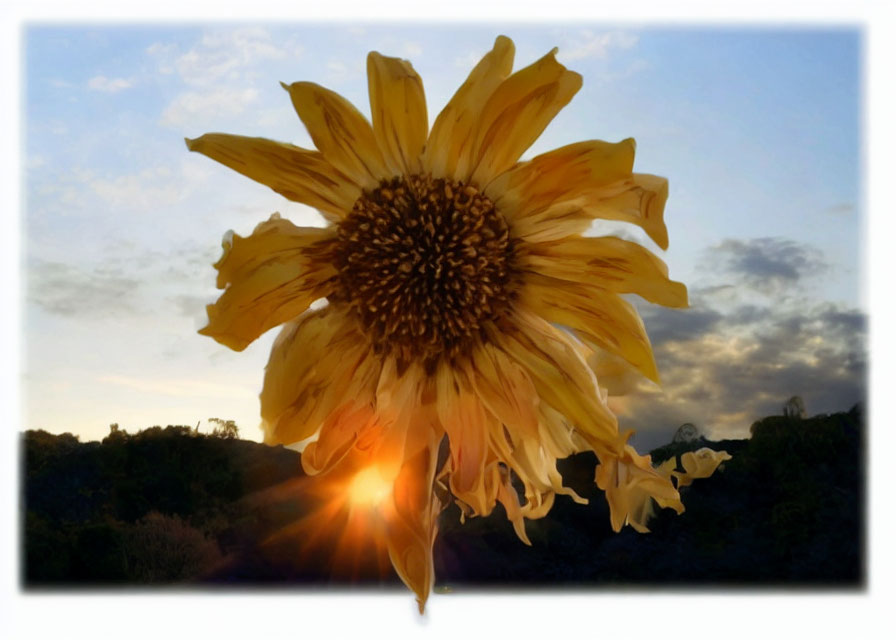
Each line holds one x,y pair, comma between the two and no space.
171,505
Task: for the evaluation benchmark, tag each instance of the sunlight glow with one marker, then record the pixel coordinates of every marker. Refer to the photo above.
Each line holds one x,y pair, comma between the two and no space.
368,488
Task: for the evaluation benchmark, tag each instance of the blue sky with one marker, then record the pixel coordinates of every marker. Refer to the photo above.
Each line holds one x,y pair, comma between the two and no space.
757,130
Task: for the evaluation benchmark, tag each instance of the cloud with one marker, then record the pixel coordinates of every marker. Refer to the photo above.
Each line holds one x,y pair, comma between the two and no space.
766,264
841,209
70,291
222,55
598,45
194,108
724,370
109,85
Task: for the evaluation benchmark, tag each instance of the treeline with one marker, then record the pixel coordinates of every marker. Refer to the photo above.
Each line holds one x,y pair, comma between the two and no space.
172,506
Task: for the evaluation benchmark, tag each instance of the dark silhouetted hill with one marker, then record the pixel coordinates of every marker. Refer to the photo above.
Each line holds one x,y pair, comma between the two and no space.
169,505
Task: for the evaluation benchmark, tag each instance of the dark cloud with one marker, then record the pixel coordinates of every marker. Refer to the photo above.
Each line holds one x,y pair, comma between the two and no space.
66,290
766,264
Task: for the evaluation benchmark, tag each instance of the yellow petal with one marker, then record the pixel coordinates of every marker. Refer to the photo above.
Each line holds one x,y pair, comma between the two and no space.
448,150
517,113
560,175
467,424
613,373
398,107
315,362
630,483
609,263
505,389
604,319
411,521
271,277
338,433
340,132
295,173
639,200
561,376
700,464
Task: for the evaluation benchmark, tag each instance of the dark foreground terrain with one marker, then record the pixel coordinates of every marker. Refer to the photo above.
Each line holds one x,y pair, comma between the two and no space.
170,506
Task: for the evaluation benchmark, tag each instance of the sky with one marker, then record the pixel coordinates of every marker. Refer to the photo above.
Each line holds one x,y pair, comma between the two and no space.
758,131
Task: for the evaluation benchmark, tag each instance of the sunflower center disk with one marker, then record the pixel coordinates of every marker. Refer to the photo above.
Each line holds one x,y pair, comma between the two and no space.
425,262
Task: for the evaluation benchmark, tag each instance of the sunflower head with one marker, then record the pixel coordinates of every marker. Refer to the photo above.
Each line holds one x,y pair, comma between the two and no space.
464,305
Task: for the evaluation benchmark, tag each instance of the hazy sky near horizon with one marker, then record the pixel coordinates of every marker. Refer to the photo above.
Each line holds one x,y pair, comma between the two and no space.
757,131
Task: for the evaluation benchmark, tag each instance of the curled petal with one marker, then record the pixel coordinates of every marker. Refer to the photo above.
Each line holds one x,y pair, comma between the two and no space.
449,147
700,464
297,174
270,277
609,263
630,483
398,107
340,132
561,175
639,200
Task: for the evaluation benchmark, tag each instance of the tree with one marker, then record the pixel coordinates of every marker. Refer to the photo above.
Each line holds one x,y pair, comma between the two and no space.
225,429
795,408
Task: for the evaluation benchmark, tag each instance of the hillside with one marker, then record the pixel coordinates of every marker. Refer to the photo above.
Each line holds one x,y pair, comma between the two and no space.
169,506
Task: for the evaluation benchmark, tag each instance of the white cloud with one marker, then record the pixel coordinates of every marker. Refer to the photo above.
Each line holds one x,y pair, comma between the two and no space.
598,45
195,108
222,55
149,189
109,85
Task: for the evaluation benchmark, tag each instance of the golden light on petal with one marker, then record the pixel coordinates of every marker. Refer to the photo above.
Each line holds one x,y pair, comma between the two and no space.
464,308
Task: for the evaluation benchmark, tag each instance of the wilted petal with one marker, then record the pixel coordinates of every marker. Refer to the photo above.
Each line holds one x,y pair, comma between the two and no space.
604,319
449,148
517,113
700,464
398,107
270,277
295,173
608,263
341,133
302,385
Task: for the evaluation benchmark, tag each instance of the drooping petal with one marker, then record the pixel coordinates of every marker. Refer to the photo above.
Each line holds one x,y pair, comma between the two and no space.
398,108
560,175
516,114
448,149
467,424
297,174
270,277
505,389
302,386
411,520
602,318
630,483
609,263
700,464
561,377
340,132
639,200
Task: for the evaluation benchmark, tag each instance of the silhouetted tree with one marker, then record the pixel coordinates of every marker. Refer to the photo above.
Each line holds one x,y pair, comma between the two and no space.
225,429
795,408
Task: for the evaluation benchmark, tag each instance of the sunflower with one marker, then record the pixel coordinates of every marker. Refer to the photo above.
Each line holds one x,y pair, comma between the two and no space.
463,303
